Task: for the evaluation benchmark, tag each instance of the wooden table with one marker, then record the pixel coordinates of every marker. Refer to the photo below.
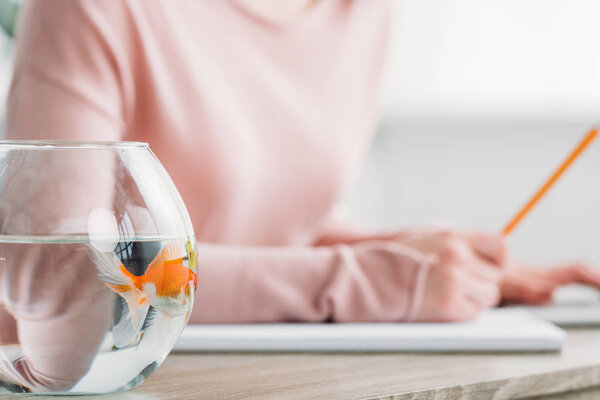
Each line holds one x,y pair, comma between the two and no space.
376,376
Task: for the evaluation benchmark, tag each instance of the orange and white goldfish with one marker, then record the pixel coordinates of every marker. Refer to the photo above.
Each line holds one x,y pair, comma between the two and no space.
167,285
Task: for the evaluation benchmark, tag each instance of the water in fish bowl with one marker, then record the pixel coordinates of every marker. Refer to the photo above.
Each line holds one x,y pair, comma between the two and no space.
80,317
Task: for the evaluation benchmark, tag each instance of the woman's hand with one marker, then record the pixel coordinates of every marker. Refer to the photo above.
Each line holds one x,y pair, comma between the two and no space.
526,284
466,277
473,272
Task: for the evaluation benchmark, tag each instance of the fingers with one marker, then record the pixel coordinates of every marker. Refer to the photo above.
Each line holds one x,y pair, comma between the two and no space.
482,292
527,289
460,254
491,247
536,286
470,294
488,247
454,292
572,273
484,270
477,280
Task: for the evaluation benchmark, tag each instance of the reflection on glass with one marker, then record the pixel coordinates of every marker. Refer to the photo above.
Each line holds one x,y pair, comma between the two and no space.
97,266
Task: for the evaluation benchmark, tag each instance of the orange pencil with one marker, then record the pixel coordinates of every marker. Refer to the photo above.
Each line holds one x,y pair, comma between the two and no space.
585,142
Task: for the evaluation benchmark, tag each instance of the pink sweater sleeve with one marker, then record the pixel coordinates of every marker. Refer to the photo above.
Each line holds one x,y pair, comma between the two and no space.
371,281
65,85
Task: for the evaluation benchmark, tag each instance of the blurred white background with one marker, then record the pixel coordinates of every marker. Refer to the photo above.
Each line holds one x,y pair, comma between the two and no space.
534,58
481,100
477,174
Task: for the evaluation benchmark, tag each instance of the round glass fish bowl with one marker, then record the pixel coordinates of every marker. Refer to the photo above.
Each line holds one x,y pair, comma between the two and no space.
97,266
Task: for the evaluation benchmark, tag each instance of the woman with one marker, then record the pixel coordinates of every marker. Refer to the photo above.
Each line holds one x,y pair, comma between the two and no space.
261,112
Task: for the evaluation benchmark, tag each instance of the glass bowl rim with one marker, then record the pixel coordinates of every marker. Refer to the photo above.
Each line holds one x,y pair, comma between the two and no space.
69,144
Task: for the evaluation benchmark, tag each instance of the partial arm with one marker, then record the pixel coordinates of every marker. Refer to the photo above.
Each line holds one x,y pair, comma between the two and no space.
372,281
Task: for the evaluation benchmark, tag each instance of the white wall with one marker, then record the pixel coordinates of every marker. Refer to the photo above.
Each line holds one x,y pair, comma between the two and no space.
517,58
482,100
477,175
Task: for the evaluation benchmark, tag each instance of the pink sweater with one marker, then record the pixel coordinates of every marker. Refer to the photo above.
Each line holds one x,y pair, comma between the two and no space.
261,126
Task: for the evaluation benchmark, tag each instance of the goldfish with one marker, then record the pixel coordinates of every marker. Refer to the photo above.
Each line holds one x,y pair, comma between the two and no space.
167,284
